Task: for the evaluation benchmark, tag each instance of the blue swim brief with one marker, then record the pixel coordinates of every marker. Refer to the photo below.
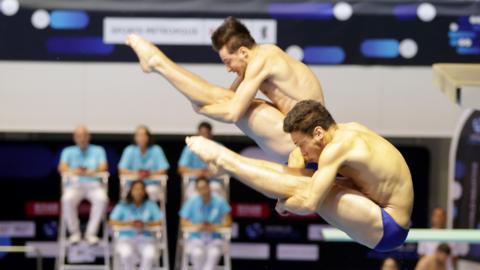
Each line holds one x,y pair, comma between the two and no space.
393,234
311,165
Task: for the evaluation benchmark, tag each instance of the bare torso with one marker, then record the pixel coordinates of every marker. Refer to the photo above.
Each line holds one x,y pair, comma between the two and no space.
289,80
377,169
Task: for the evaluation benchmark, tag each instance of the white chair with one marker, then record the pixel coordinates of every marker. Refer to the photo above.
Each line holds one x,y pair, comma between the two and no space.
182,258
162,196
162,249
61,262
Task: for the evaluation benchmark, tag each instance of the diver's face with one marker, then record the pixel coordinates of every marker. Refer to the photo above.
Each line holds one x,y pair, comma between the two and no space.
235,62
310,145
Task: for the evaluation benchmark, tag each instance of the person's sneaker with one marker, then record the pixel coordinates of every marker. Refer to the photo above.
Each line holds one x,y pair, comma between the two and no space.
92,239
74,239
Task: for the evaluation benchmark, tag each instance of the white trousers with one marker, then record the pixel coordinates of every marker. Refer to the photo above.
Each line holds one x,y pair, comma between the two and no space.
204,255
130,250
72,197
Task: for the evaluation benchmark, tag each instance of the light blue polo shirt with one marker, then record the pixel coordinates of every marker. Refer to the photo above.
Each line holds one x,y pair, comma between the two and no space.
190,160
197,212
147,212
152,160
90,158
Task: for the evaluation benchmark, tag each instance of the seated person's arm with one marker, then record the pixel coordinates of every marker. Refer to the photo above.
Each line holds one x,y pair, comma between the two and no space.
119,223
233,109
185,223
160,172
187,170
125,171
102,167
226,222
154,223
64,168
183,170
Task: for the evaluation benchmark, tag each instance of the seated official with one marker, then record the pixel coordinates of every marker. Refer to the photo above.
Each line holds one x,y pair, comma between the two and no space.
191,164
134,220
436,261
205,214
144,160
81,162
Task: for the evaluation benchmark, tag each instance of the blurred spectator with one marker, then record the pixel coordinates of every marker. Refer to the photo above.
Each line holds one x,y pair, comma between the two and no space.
132,218
390,263
436,261
191,164
144,159
80,162
438,220
205,213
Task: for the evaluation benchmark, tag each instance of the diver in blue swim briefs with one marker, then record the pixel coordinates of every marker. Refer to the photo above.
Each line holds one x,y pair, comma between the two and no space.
372,202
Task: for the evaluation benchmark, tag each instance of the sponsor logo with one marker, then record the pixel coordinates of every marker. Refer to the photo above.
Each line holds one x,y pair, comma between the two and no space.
251,210
50,229
282,232
257,251
180,31
42,209
296,252
20,229
254,231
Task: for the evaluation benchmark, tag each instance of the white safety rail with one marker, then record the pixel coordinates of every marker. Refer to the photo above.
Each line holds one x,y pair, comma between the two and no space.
414,235
25,249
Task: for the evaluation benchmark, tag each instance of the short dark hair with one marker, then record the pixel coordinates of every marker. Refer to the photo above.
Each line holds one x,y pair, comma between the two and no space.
445,248
305,116
233,34
147,131
206,125
129,198
201,179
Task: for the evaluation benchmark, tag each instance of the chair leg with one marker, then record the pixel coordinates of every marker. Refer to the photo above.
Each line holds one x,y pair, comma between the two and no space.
62,234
